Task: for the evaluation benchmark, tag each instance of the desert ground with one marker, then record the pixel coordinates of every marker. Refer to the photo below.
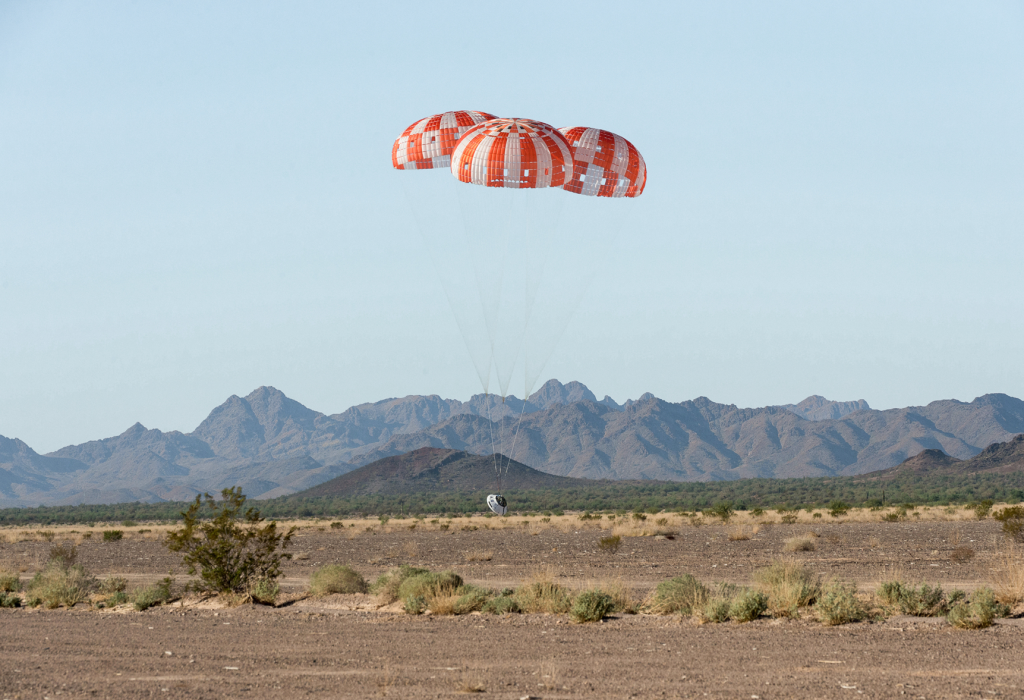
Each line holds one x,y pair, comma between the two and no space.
354,646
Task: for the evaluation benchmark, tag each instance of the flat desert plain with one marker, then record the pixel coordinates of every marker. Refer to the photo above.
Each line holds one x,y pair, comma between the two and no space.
352,646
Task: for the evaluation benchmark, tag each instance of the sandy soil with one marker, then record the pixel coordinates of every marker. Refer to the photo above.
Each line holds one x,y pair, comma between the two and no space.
342,646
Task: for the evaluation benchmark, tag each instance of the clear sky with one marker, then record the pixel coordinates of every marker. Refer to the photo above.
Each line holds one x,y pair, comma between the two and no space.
197,199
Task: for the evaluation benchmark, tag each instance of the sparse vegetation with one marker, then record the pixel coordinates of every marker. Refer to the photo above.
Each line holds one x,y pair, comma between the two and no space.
386,586
838,604
157,594
542,595
9,581
591,606
979,612
679,595
336,578
838,508
789,587
1012,519
920,601
112,535
8,600
61,582
234,548
803,543
961,554
610,544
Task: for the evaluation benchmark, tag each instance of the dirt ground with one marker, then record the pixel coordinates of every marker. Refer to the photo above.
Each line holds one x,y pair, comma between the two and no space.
344,646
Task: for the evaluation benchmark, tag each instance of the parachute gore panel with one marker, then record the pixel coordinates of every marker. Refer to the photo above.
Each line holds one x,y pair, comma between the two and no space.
512,153
604,164
429,142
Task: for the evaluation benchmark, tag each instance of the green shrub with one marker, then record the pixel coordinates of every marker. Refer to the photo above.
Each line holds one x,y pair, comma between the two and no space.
788,519
610,544
838,508
414,604
429,584
57,585
337,525
980,612
157,594
678,595
114,584
789,587
387,584
923,601
128,523
46,535
838,604
9,581
501,605
982,508
233,549
265,591
460,601
591,606
757,512
543,596
723,510
748,605
7,600
336,578
112,535
1012,519
118,598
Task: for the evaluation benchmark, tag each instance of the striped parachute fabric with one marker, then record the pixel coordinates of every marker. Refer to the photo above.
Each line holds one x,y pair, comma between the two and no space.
604,164
512,153
429,142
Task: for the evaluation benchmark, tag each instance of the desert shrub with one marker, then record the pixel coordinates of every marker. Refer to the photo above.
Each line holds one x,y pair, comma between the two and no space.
961,555
57,585
337,525
1008,577
838,508
979,612
112,535
622,597
9,581
723,510
1012,519
501,605
714,610
748,605
789,587
47,535
86,535
804,543
756,512
639,516
923,601
7,600
739,534
429,584
678,595
336,578
157,594
838,604
459,601
233,549
788,519
543,595
128,523
265,591
64,554
982,508
113,584
591,606
414,605
115,599
610,544
387,584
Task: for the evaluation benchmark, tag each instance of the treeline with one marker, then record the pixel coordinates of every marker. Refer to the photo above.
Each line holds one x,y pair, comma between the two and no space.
601,496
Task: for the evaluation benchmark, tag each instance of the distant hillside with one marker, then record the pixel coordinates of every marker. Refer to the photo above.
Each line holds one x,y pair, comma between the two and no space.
272,445
999,458
429,469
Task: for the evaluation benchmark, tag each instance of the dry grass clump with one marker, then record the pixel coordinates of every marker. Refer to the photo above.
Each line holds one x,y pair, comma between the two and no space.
610,544
9,581
803,543
1008,576
542,595
789,587
386,586
480,556
739,533
679,595
58,585
979,612
336,578
623,600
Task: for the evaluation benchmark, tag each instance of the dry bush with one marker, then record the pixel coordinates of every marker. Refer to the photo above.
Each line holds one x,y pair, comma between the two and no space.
789,587
739,533
453,601
336,578
480,556
623,599
679,595
387,584
804,543
610,544
978,613
9,581
56,585
542,595
471,683
961,555
874,542
1008,576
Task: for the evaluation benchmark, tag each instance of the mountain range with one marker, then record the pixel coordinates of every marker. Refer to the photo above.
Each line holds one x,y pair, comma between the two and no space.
272,445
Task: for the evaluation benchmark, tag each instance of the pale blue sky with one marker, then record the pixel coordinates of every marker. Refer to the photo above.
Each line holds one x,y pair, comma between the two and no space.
197,199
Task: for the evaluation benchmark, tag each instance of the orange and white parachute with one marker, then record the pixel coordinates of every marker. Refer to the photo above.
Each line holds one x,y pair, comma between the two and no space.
604,164
512,153
428,143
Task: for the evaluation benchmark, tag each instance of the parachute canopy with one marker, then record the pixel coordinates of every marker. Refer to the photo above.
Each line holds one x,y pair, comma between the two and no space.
512,153
428,143
604,164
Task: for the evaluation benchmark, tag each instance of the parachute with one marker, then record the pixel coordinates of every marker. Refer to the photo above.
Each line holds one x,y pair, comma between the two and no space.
490,243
